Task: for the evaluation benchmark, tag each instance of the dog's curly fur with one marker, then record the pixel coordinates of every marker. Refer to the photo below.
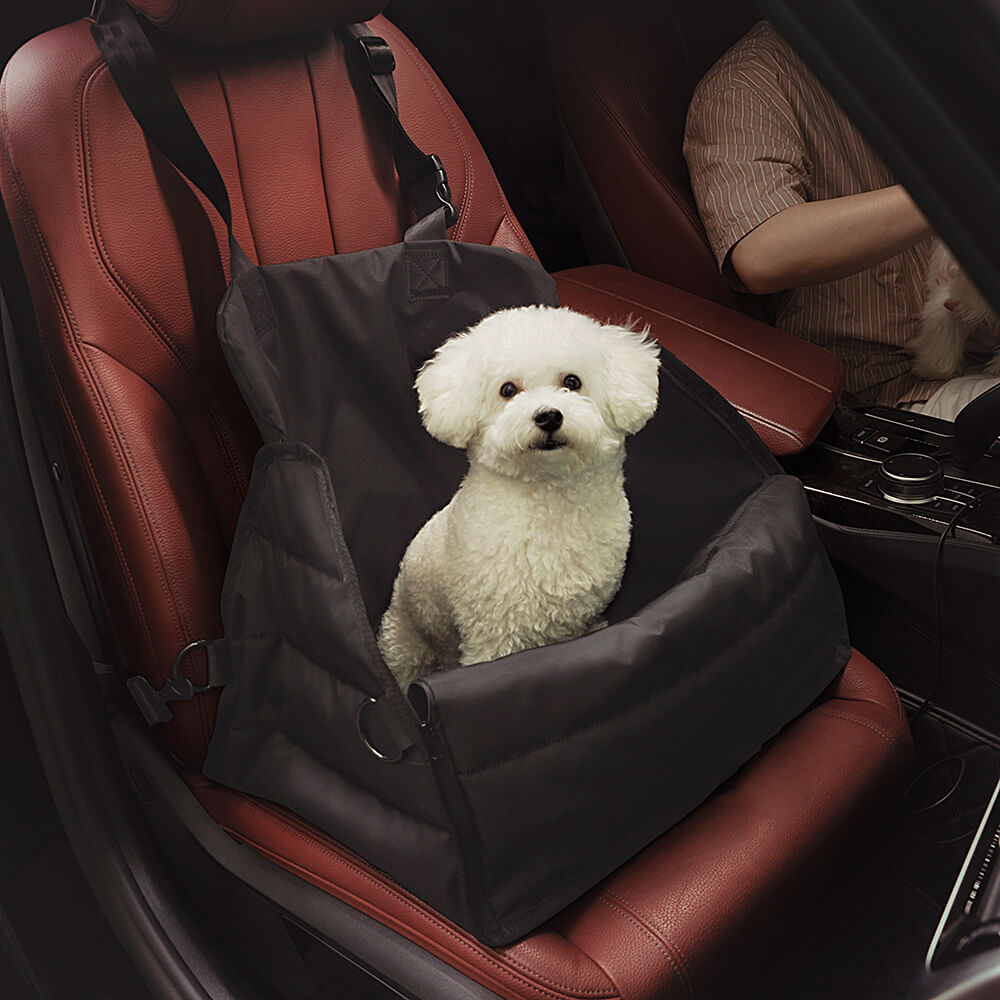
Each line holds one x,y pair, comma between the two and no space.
532,547
938,349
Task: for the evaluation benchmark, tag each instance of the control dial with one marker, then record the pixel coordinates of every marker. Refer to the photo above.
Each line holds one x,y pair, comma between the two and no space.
910,478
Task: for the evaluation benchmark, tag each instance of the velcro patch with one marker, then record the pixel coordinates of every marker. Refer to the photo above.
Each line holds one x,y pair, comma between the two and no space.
427,273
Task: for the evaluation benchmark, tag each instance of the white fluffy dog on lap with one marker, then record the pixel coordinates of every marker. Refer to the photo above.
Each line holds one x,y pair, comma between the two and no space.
532,547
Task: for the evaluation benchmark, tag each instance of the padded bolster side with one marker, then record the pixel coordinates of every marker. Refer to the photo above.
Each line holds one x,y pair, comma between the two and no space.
785,387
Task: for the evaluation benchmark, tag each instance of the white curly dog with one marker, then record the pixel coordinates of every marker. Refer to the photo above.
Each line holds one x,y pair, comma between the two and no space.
953,308
531,549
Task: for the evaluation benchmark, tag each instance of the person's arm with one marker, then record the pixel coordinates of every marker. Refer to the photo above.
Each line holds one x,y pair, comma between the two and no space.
817,241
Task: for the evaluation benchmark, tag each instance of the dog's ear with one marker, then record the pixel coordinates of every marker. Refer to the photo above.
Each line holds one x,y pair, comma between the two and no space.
449,404
633,377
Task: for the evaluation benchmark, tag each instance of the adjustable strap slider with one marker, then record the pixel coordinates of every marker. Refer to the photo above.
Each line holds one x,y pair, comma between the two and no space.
153,703
431,191
379,55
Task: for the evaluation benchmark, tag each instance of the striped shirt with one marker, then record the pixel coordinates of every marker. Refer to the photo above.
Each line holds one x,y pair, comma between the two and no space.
762,135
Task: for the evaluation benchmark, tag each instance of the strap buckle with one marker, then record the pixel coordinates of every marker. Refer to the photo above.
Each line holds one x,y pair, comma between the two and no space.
152,702
379,55
431,192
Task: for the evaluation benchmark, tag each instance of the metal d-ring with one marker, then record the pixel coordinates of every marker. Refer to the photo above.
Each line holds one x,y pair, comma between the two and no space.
364,739
175,671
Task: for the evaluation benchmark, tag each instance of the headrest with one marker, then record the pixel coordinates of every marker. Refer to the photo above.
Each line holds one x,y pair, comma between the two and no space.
224,22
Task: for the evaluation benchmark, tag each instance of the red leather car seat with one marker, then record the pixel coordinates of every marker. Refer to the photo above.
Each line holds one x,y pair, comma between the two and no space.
125,267
624,75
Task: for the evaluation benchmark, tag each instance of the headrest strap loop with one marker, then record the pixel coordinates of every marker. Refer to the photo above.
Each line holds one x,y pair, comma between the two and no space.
150,95
421,174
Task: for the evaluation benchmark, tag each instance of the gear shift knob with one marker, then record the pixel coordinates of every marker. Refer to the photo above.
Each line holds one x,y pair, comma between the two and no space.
976,427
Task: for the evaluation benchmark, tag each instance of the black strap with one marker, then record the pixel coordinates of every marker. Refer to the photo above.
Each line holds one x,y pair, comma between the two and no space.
149,93
150,96
421,175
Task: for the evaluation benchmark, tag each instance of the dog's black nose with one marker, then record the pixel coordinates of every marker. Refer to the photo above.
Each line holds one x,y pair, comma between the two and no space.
549,420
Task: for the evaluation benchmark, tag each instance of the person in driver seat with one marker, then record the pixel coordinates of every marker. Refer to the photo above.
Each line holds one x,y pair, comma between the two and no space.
798,207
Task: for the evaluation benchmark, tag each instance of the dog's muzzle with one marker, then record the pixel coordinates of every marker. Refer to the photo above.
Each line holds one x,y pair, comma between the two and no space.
549,421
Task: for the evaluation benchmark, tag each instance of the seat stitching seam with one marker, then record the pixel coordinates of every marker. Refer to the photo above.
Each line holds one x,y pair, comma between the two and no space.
773,425
239,170
319,148
658,943
109,523
571,990
823,710
659,933
107,520
87,345
313,841
179,614
57,293
237,474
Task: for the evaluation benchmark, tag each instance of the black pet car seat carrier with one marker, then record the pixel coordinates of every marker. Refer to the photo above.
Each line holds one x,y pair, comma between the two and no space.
501,792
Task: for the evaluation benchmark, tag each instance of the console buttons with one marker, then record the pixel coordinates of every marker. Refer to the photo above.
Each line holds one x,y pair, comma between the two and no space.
973,489
886,442
958,494
862,434
946,506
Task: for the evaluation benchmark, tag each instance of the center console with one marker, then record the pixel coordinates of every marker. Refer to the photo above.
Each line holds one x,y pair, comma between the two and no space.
887,469
884,487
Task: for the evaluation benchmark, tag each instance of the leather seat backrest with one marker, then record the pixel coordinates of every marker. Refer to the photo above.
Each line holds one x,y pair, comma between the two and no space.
624,75
126,267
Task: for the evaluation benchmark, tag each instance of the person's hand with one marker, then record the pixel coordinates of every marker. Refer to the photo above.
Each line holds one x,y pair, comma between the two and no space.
984,338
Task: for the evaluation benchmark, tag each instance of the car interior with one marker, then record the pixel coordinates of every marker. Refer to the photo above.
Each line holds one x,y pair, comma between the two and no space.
850,858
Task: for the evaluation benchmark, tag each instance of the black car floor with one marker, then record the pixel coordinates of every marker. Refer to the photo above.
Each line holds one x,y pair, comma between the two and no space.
870,937
53,936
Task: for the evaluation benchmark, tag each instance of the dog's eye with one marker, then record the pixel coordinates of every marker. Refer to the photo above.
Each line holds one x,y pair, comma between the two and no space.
508,389
572,382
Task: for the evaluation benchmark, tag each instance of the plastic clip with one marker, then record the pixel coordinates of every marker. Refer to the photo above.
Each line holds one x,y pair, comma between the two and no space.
433,191
379,55
153,703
